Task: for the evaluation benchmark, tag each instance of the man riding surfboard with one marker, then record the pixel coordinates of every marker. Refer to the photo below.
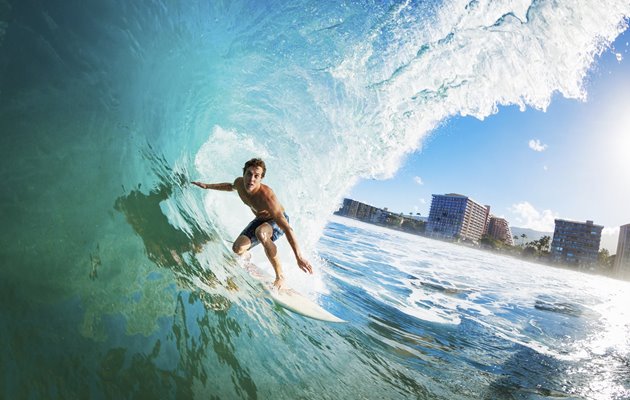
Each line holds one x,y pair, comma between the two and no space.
271,220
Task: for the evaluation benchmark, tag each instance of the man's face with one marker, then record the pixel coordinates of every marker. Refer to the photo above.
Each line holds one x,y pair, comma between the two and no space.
252,178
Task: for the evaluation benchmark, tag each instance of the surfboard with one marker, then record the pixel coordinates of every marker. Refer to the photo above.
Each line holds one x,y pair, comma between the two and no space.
290,299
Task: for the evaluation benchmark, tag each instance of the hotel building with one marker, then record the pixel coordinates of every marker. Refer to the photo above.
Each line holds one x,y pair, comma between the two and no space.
457,216
499,229
373,215
357,210
622,259
576,243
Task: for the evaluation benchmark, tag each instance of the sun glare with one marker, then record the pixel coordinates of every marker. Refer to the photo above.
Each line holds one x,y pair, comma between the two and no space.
620,139
615,125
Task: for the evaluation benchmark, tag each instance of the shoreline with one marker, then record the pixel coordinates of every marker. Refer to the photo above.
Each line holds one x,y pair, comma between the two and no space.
507,253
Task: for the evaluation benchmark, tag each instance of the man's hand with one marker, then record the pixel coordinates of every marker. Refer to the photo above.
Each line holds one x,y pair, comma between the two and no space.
201,185
305,265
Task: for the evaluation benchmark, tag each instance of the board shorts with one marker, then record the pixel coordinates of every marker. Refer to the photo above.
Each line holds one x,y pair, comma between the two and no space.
250,230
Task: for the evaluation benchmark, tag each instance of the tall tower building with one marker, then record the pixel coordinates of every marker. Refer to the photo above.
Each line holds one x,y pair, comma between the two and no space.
454,215
622,259
576,243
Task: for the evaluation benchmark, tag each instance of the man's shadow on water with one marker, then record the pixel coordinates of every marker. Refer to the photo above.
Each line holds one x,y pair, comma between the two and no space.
166,245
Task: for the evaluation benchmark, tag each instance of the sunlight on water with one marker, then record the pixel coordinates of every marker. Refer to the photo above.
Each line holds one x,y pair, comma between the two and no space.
610,343
564,334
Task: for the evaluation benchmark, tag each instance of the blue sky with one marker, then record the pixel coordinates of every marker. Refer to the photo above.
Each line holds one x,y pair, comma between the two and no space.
571,161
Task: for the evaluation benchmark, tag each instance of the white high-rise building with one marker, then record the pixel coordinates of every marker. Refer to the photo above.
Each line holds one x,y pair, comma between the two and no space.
622,259
456,216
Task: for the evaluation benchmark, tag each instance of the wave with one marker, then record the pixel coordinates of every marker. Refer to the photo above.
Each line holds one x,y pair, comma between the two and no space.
328,96
108,109
371,100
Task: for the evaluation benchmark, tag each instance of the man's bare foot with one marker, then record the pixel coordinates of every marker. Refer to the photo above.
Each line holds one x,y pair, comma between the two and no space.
278,283
246,256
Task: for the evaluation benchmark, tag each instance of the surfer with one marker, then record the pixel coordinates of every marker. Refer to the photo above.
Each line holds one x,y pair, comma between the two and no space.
271,220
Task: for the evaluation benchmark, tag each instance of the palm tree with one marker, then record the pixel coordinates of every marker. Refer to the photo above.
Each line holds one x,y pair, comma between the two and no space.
543,243
524,236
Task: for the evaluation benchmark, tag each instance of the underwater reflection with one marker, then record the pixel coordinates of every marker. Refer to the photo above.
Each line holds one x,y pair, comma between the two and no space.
164,244
198,337
183,360
168,246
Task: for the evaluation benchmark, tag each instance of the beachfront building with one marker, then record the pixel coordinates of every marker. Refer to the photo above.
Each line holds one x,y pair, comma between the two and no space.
457,216
349,208
367,213
361,211
380,216
499,229
576,243
622,258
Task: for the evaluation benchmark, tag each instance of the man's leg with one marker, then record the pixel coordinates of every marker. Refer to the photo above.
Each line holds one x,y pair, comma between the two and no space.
241,245
264,234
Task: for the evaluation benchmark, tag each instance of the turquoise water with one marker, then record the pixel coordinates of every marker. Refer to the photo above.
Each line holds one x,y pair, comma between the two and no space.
116,281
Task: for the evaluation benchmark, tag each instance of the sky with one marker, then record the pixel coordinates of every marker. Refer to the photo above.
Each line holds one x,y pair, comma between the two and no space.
571,161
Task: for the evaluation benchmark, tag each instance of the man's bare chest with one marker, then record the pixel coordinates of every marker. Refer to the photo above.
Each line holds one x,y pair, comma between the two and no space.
256,203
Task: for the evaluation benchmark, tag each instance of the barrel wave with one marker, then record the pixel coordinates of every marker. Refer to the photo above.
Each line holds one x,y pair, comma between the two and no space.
117,278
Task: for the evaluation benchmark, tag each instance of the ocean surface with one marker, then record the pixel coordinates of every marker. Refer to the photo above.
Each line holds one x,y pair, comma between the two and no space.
116,278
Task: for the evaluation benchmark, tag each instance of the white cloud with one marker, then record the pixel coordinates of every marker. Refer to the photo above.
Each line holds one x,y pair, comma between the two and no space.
423,201
537,145
418,180
546,168
528,217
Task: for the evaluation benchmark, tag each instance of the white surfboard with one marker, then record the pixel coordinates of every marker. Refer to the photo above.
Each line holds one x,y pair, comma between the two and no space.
289,298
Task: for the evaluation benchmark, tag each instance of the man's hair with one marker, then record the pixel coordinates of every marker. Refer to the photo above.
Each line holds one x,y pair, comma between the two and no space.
255,162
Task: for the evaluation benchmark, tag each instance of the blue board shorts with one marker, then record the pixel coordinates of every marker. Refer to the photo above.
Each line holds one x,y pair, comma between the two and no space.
250,230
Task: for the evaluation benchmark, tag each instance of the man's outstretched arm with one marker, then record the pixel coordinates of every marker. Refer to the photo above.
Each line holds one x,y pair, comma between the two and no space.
226,187
288,231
